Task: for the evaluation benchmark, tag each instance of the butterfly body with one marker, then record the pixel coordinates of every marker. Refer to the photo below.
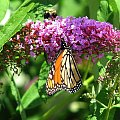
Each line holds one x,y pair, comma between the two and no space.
63,73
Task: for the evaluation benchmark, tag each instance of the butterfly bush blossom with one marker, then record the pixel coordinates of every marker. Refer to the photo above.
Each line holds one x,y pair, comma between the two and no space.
86,37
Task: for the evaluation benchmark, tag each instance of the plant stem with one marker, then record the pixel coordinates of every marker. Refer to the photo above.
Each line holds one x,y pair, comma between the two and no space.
16,94
86,73
87,81
21,110
111,98
101,103
108,109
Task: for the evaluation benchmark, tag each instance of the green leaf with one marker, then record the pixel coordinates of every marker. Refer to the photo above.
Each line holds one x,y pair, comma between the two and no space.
112,114
118,7
15,23
116,106
103,13
95,71
93,91
14,5
43,72
30,95
90,117
78,5
107,114
93,8
58,103
101,64
25,11
42,79
102,69
47,2
102,93
115,6
36,90
4,6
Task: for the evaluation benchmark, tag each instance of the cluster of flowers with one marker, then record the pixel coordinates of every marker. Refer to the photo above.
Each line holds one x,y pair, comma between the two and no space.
86,37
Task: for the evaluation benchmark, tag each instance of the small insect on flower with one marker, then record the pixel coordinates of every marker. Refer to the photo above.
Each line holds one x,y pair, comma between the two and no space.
63,73
50,14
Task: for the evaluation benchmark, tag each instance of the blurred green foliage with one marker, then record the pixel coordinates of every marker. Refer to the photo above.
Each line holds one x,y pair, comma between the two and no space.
26,99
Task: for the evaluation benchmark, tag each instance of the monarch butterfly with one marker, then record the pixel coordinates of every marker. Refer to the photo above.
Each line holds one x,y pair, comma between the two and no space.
63,73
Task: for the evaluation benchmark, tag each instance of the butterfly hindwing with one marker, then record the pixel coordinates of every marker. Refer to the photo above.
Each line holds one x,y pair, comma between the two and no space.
69,72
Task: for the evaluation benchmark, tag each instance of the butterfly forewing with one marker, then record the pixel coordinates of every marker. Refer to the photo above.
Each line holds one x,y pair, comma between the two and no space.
54,76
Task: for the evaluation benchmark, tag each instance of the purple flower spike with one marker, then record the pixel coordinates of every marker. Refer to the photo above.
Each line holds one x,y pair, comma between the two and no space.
87,37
